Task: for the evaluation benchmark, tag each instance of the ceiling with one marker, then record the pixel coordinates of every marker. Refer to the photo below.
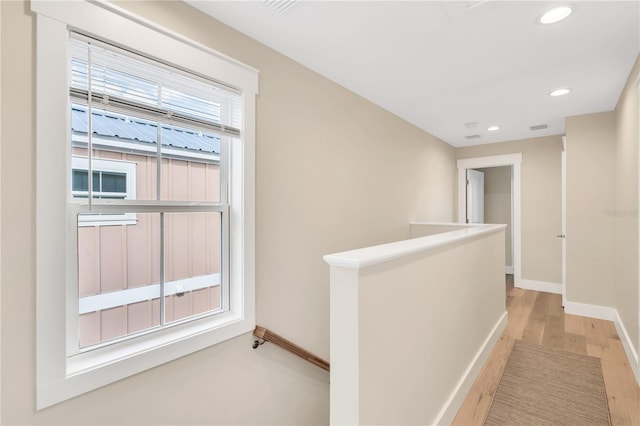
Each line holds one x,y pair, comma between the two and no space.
454,68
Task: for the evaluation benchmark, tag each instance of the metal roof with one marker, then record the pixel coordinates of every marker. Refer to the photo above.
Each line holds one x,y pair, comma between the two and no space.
118,126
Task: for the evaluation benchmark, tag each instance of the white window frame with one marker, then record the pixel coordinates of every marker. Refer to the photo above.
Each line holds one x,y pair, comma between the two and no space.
61,374
107,165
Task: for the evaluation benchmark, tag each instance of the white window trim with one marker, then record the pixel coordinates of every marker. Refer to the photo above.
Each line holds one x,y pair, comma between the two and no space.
107,165
60,377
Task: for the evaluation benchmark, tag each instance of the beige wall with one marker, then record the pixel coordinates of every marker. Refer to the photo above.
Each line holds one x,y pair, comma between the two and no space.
497,203
334,172
590,197
626,223
541,202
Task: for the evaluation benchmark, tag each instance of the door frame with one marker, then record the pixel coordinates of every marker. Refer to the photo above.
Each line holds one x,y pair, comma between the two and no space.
515,161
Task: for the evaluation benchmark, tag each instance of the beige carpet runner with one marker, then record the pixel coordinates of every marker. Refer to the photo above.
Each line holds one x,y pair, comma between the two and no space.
547,386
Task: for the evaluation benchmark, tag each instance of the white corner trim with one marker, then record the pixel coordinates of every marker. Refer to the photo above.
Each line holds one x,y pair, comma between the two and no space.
454,402
508,269
547,287
591,311
632,355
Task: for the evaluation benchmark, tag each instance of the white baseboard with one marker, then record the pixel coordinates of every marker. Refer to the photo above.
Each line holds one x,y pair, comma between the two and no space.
508,270
591,311
547,287
632,355
455,400
609,314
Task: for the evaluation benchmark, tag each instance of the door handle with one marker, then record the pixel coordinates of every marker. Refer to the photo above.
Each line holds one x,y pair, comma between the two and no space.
561,236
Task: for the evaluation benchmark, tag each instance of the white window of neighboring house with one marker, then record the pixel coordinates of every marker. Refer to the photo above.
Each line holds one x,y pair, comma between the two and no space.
112,179
161,143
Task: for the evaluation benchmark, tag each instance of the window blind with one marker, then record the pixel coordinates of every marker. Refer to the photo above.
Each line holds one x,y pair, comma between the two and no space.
123,81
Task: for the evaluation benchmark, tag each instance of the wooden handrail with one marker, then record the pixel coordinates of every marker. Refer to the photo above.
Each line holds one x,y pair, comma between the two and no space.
276,339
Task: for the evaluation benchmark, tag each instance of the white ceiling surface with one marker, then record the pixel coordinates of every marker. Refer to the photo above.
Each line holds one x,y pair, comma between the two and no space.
441,64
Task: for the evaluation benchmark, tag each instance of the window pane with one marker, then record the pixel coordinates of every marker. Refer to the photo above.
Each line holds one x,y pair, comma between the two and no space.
190,165
96,182
80,180
114,182
192,264
118,279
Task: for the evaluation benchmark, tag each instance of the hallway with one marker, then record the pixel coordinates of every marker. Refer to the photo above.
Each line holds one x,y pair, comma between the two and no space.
539,318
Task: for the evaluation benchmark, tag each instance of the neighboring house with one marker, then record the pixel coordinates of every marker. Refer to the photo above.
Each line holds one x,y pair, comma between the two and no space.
117,267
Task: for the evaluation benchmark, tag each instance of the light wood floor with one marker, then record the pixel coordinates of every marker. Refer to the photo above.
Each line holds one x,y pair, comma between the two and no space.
539,318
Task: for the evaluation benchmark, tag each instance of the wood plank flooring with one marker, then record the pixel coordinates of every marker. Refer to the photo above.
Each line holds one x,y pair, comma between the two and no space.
539,318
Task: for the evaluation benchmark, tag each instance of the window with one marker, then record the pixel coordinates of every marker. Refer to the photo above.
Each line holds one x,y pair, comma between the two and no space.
132,280
158,142
112,179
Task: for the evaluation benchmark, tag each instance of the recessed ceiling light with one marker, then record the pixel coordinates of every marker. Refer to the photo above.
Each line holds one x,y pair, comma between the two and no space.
559,92
556,14
493,128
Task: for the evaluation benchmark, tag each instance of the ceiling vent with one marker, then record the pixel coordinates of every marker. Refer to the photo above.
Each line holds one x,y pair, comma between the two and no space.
539,127
472,137
280,6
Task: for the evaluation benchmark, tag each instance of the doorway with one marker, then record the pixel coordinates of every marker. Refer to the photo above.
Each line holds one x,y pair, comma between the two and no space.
513,161
494,185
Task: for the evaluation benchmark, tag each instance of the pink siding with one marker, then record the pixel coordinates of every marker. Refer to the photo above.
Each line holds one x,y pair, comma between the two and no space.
88,265
119,257
113,258
200,301
214,297
96,327
201,252
89,329
143,249
181,306
178,246
198,173
139,316
113,323
212,188
146,176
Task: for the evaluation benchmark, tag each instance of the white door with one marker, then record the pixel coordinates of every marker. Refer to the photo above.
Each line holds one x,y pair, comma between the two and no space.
475,196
